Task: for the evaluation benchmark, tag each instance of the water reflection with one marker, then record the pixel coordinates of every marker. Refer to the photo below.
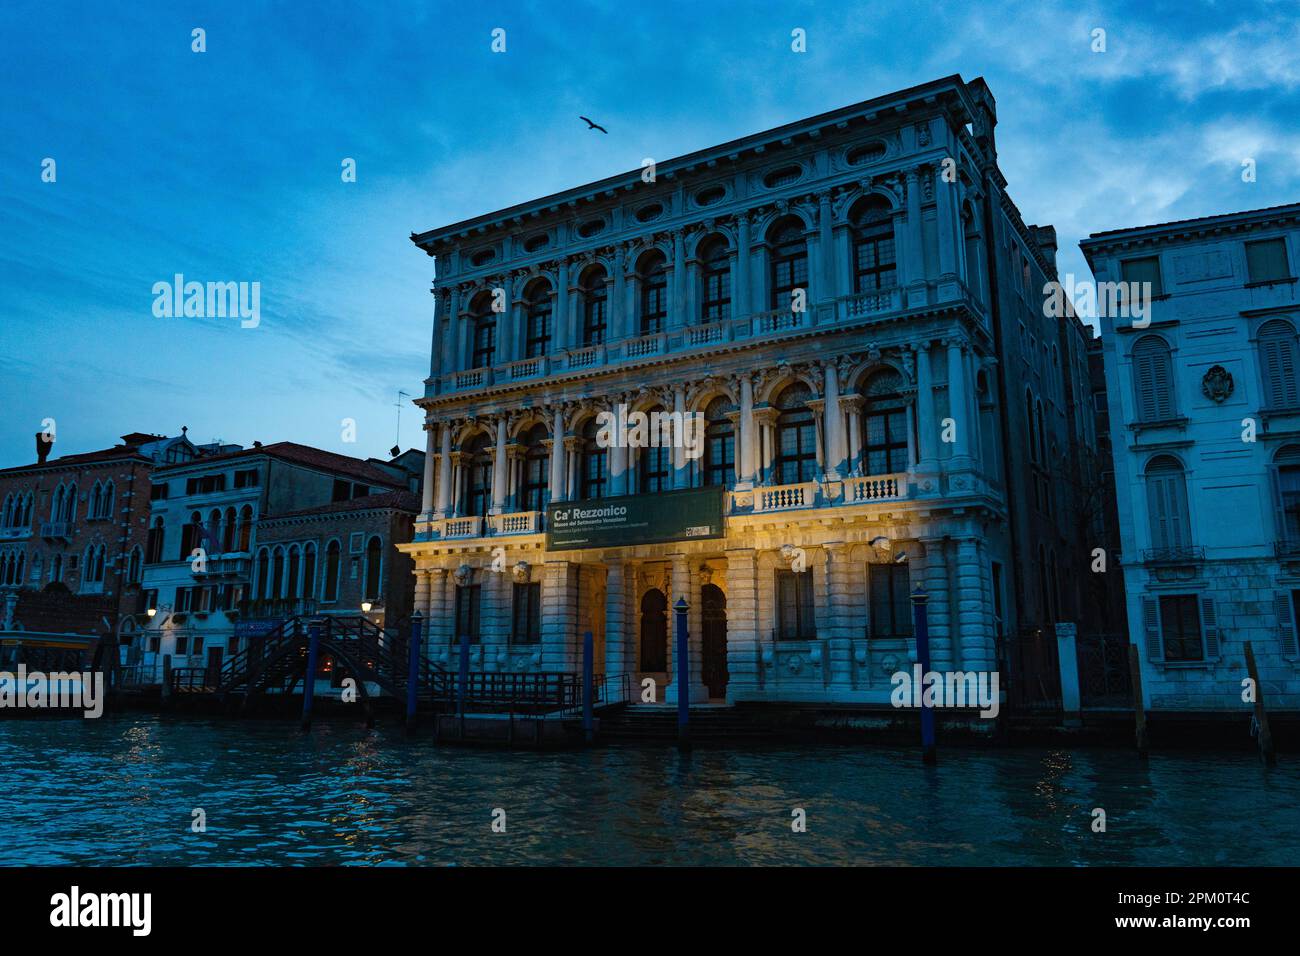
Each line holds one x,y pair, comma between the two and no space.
121,791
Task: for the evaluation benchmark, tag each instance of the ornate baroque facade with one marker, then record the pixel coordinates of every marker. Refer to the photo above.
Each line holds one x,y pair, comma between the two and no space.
911,425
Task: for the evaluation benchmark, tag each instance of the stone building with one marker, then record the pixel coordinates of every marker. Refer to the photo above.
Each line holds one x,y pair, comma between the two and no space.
240,585
76,524
851,308
1205,426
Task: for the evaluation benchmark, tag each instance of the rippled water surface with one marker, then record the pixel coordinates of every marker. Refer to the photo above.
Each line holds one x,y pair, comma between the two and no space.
122,790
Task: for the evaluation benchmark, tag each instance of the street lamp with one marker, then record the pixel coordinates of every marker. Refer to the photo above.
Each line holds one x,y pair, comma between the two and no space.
365,607
152,611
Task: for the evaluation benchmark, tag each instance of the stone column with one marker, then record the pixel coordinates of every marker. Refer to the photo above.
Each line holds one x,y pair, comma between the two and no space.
765,419
742,625
682,587
423,584
947,217
617,643
926,426
427,482
570,476
557,456
833,417
559,617
678,317
829,288
499,469
458,459
438,614
616,458
838,652
958,401
464,345
740,290
617,322
444,472
976,648
681,475
851,408
936,583
745,437
560,318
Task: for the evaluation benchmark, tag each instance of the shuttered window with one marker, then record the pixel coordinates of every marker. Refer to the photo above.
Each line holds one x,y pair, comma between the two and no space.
1144,270
1277,359
1286,496
1167,504
1180,628
1153,379
1266,260
1287,602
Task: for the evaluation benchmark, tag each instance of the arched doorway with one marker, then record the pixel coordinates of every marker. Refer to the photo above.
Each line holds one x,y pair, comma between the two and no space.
713,624
654,632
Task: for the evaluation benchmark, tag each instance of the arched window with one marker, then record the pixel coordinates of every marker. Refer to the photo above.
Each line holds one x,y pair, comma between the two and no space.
719,443
884,424
135,566
212,540
95,505
190,535
537,300
70,504
108,499
478,477
1153,379
10,515
971,236
92,571
263,570
1042,433
1167,504
874,258
485,332
1278,364
595,301
715,281
652,279
277,573
374,562
228,531
56,504
56,569
534,485
788,258
309,571
654,463
796,436
153,545
591,463
295,566
1031,427
1286,496
330,586
245,527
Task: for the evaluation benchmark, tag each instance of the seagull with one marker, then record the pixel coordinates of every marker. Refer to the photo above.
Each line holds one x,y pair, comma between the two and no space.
591,125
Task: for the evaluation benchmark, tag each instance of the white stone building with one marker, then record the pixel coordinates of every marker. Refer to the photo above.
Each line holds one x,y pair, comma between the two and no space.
1205,423
913,424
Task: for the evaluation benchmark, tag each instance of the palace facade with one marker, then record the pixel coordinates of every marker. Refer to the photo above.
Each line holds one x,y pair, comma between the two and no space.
854,306
1204,394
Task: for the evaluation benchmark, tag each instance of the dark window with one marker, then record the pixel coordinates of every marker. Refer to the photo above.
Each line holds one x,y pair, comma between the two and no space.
789,262
890,600
485,341
654,466
796,436
342,490
1180,627
527,613
595,299
715,279
248,478
1144,270
1277,357
719,443
653,280
191,535
1266,260
468,597
330,589
1167,504
374,562
478,497
538,322
309,571
591,476
159,492
533,493
884,425
873,246
153,546
795,614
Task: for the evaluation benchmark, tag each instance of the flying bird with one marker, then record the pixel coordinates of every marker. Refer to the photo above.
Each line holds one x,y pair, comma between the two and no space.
591,125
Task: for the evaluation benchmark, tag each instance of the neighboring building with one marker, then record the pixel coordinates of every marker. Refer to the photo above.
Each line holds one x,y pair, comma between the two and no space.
1104,592
240,585
76,526
915,423
1205,425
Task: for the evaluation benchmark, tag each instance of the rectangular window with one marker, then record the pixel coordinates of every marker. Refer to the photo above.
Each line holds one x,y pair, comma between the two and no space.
527,613
247,478
342,490
795,612
1144,270
1180,627
1266,260
890,600
182,599
159,492
468,600
183,645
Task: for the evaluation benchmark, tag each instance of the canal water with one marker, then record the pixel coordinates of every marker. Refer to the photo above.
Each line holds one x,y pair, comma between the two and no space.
124,790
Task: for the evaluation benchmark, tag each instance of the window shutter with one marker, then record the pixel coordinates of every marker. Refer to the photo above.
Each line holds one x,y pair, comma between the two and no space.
1279,507
1146,396
1286,623
1163,384
1210,628
1151,627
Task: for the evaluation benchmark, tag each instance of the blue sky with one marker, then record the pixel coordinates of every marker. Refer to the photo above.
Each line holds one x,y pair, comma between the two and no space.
225,165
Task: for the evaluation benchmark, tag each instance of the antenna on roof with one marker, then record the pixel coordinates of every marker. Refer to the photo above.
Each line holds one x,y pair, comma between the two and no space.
398,404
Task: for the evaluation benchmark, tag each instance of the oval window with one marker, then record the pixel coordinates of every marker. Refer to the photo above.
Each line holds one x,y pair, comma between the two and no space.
652,211
591,228
707,197
866,154
533,243
483,257
782,177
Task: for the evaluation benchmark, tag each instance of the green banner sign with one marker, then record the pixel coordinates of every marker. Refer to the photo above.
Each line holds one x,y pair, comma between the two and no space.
684,515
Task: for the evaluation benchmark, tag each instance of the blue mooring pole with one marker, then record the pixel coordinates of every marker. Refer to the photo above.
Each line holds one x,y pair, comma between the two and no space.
588,676
462,686
921,623
413,672
683,674
309,678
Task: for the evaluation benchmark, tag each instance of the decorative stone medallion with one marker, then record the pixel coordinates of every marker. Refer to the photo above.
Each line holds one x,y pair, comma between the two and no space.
1217,384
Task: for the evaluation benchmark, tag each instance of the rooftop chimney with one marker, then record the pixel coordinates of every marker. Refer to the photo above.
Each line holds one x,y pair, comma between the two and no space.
42,448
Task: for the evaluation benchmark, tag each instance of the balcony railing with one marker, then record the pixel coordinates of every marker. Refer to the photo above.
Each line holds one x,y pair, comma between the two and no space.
518,522
467,527
15,534
1178,554
784,497
875,488
53,530
233,564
